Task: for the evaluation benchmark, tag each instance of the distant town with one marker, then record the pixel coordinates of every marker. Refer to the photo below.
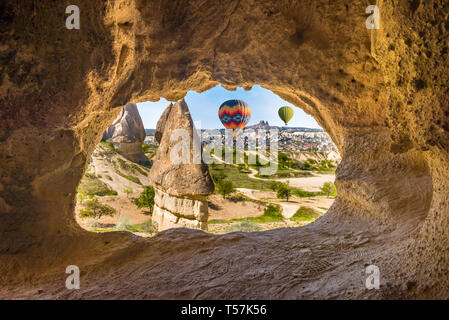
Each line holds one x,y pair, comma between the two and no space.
294,139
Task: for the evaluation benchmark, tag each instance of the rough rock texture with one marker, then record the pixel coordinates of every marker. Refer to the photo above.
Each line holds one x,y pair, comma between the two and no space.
180,178
127,133
382,95
161,123
177,166
179,212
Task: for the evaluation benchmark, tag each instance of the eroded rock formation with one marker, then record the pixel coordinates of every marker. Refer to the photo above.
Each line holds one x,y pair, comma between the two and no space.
127,133
382,95
181,180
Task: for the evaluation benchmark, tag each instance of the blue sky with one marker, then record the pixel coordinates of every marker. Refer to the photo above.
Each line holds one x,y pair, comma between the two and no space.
204,106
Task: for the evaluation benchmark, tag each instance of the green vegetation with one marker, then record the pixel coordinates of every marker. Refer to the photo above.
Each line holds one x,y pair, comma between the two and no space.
92,186
285,173
329,189
224,187
128,191
123,224
239,179
305,214
244,226
149,150
146,227
312,164
94,209
107,148
130,178
146,198
283,191
272,213
274,185
305,194
94,223
131,167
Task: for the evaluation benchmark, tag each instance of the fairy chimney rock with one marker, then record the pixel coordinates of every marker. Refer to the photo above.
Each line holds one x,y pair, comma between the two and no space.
181,180
127,133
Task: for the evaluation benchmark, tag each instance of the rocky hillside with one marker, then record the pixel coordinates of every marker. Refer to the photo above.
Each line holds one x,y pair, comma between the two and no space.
114,181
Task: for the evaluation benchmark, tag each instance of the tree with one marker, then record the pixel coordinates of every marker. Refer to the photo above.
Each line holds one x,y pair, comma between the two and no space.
146,198
94,209
274,185
329,189
283,159
128,191
225,187
217,177
283,191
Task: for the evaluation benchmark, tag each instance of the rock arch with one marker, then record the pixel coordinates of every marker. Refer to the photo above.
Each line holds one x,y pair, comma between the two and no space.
381,94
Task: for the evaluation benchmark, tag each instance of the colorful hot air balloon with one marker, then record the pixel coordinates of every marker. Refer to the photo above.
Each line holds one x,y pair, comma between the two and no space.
285,113
235,115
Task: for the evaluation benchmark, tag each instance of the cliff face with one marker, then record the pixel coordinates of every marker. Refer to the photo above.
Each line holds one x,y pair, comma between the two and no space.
381,94
127,133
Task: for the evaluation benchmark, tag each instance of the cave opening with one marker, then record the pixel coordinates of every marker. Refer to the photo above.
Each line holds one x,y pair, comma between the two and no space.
271,175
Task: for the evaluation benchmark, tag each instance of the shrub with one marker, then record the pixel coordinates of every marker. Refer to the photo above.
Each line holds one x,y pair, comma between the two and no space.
123,224
108,148
225,187
82,196
216,177
94,223
146,198
129,166
329,189
304,194
128,191
147,227
130,178
145,148
94,209
272,211
244,226
274,185
305,214
283,191
92,186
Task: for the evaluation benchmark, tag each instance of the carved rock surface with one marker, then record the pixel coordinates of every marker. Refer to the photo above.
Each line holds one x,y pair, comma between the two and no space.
180,173
382,95
180,184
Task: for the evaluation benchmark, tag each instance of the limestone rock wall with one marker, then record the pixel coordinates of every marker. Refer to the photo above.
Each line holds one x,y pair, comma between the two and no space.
382,95
181,186
177,212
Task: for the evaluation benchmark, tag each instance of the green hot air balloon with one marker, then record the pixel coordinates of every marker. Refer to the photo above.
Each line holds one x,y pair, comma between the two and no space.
285,113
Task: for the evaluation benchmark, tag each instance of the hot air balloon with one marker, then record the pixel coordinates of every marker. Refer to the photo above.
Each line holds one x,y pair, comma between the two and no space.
235,115
285,113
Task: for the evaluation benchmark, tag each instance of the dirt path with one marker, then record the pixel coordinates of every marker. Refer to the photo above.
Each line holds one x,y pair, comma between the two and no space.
227,208
318,203
312,183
